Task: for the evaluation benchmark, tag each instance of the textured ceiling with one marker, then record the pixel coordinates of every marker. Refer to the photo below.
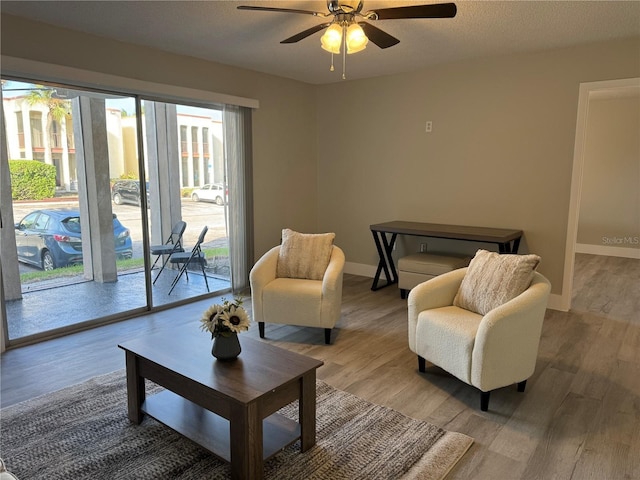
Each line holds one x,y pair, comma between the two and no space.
217,31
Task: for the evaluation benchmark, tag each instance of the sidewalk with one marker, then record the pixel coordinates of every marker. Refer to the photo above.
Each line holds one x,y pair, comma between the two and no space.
71,197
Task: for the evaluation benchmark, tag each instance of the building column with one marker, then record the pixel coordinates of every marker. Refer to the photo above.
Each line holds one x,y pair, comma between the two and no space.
66,172
26,128
190,159
163,159
202,163
10,270
96,215
46,136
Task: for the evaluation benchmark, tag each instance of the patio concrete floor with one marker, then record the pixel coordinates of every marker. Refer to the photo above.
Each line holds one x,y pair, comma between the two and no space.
60,305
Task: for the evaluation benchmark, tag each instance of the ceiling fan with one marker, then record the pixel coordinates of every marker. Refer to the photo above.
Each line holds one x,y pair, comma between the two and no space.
348,12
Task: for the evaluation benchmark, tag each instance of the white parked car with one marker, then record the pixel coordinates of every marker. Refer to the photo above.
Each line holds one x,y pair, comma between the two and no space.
211,192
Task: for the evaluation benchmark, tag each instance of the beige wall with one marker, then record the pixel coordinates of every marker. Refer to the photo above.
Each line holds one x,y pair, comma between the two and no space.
284,127
610,199
500,153
340,157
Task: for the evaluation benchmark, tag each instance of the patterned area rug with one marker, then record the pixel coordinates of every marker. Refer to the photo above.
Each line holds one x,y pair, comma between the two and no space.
83,432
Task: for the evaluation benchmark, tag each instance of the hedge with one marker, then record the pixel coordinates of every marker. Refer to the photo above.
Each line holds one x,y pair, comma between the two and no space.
32,180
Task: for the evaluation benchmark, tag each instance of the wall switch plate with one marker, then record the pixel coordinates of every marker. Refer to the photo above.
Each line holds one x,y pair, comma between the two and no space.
428,127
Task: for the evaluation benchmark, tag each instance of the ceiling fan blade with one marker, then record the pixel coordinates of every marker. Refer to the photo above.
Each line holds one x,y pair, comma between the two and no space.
377,36
283,10
310,31
436,10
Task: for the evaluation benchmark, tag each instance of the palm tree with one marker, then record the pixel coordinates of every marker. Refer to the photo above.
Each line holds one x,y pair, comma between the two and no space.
58,110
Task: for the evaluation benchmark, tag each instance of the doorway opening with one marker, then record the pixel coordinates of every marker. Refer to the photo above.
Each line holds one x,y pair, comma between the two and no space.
600,236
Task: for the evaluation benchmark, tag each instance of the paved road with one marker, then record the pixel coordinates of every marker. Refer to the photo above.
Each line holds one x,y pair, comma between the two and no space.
196,214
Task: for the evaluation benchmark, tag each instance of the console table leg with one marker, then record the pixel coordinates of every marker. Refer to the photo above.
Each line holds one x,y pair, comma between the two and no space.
382,262
388,248
516,245
385,263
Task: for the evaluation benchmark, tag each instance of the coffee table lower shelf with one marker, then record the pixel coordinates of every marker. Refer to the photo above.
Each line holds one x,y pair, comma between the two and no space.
212,431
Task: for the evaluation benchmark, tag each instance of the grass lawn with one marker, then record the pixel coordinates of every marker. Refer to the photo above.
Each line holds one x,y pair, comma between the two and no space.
123,265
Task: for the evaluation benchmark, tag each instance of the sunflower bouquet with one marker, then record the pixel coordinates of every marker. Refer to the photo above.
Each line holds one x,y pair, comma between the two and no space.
225,319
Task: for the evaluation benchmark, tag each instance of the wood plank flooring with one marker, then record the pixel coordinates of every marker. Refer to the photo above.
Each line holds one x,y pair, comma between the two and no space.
578,419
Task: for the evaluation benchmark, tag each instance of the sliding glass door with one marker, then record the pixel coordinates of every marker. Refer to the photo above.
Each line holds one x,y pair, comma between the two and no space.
74,248
97,180
185,162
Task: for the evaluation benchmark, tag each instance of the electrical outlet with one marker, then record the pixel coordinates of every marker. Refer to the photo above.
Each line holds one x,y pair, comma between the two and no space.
423,247
428,126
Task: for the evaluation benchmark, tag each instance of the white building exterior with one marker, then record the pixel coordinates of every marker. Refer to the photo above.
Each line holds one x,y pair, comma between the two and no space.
200,137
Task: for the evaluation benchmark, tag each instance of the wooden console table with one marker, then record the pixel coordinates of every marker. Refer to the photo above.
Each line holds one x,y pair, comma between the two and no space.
507,240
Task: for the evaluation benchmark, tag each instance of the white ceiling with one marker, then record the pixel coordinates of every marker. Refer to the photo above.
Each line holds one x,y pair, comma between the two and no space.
217,31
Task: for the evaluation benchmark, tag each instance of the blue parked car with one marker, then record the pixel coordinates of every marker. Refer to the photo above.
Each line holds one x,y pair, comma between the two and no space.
51,239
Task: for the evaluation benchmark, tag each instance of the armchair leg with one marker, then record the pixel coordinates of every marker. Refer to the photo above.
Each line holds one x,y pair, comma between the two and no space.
422,364
327,336
403,293
521,385
484,401
261,329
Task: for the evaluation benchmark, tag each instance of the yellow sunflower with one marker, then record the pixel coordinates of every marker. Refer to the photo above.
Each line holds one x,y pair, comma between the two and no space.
235,319
210,318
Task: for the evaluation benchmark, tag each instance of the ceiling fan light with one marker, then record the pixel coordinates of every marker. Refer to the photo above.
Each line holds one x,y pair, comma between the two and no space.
332,39
356,39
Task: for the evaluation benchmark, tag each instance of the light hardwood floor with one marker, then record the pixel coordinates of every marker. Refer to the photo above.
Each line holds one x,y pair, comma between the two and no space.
578,419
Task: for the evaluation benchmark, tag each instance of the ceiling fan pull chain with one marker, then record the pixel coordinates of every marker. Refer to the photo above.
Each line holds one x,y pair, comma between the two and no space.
331,69
344,67
344,52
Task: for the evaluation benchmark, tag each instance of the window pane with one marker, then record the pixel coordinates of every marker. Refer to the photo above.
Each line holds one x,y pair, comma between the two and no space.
177,167
86,272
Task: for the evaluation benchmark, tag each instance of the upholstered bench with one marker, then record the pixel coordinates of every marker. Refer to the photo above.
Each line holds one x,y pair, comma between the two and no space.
420,267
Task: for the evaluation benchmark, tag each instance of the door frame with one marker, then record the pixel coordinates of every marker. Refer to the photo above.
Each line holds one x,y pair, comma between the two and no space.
587,90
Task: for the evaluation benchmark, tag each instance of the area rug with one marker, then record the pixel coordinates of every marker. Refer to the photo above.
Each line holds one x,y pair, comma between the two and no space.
83,432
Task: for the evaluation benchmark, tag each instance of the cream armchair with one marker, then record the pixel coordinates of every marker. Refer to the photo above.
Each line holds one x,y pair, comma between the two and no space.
487,351
295,301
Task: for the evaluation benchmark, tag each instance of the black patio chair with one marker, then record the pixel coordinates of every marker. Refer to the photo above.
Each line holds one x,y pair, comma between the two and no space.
187,258
171,246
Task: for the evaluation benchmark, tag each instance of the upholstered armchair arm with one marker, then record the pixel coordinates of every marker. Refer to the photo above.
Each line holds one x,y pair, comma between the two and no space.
511,331
263,272
332,286
435,293
332,280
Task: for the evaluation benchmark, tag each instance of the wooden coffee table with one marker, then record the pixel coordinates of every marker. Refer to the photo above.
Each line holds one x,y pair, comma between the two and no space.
227,407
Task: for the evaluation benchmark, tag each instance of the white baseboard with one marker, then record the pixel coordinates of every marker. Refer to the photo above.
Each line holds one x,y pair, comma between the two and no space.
557,302
360,269
608,250
363,270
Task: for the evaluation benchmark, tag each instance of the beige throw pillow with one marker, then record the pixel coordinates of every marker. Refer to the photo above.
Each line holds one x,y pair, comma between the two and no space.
493,279
304,255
